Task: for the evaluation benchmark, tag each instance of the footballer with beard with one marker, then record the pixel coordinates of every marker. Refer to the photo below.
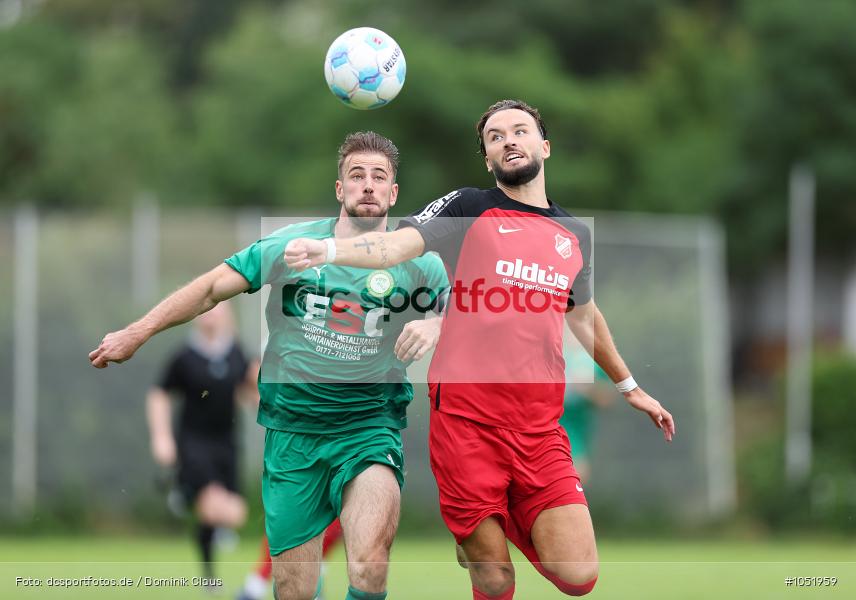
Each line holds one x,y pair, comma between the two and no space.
333,386
519,267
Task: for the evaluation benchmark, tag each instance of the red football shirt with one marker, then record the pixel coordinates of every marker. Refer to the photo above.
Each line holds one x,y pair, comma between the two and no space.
515,271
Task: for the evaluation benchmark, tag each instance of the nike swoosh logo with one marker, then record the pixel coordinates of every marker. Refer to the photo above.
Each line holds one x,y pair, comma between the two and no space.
502,229
579,489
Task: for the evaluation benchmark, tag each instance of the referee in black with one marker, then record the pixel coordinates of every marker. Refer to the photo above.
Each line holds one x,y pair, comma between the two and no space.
209,374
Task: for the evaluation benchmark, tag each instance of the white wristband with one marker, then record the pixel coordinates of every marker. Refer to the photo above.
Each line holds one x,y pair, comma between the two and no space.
626,385
331,249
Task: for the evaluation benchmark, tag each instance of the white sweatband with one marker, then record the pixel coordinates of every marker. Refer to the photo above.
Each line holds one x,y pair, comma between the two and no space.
331,249
626,385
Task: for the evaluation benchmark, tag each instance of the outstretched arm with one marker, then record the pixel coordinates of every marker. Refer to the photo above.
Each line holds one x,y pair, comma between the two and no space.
376,250
589,326
195,298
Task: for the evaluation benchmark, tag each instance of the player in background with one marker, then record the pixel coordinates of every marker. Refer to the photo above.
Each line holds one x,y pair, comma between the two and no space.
206,373
257,583
333,380
209,374
583,400
520,265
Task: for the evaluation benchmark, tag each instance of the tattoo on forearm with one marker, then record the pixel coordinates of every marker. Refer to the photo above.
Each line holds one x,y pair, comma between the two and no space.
384,257
365,244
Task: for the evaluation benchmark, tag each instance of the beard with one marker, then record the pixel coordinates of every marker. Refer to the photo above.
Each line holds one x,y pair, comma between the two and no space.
366,217
517,176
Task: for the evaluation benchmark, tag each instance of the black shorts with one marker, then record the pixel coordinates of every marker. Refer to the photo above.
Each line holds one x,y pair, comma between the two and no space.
203,460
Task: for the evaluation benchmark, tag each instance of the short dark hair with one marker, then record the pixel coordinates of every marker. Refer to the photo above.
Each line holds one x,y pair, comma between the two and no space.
371,143
508,105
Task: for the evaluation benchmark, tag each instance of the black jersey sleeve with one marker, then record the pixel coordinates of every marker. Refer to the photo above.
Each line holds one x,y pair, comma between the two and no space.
444,222
581,289
172,378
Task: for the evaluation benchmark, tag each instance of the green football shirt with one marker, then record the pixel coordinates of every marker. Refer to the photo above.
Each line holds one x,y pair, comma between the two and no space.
329,364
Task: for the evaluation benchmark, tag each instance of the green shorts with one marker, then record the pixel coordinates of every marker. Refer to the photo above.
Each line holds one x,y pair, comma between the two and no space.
579,421
305,474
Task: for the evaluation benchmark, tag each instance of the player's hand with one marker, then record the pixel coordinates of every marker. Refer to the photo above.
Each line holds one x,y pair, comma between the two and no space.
163,450
116,347
639,400
417,338
302,253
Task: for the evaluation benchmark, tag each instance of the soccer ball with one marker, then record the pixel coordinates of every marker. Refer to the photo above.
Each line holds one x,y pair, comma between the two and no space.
365,68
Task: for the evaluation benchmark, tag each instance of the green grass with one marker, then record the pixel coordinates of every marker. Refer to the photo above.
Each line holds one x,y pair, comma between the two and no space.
425,568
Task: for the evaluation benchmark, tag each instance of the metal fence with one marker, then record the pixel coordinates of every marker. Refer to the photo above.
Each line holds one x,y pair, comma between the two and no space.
69,432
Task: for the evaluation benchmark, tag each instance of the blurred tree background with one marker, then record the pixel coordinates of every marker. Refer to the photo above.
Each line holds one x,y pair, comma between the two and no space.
663,106
690,106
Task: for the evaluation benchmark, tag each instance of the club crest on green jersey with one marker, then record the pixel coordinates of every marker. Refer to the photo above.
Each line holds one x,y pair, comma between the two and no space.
380,283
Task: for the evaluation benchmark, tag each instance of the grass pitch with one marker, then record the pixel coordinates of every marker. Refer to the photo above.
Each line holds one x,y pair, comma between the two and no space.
426,569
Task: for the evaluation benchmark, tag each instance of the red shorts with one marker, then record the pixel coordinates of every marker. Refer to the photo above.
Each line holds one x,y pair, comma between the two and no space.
485,471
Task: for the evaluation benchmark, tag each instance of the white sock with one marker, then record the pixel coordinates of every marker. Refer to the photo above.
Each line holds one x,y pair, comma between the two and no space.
256,586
